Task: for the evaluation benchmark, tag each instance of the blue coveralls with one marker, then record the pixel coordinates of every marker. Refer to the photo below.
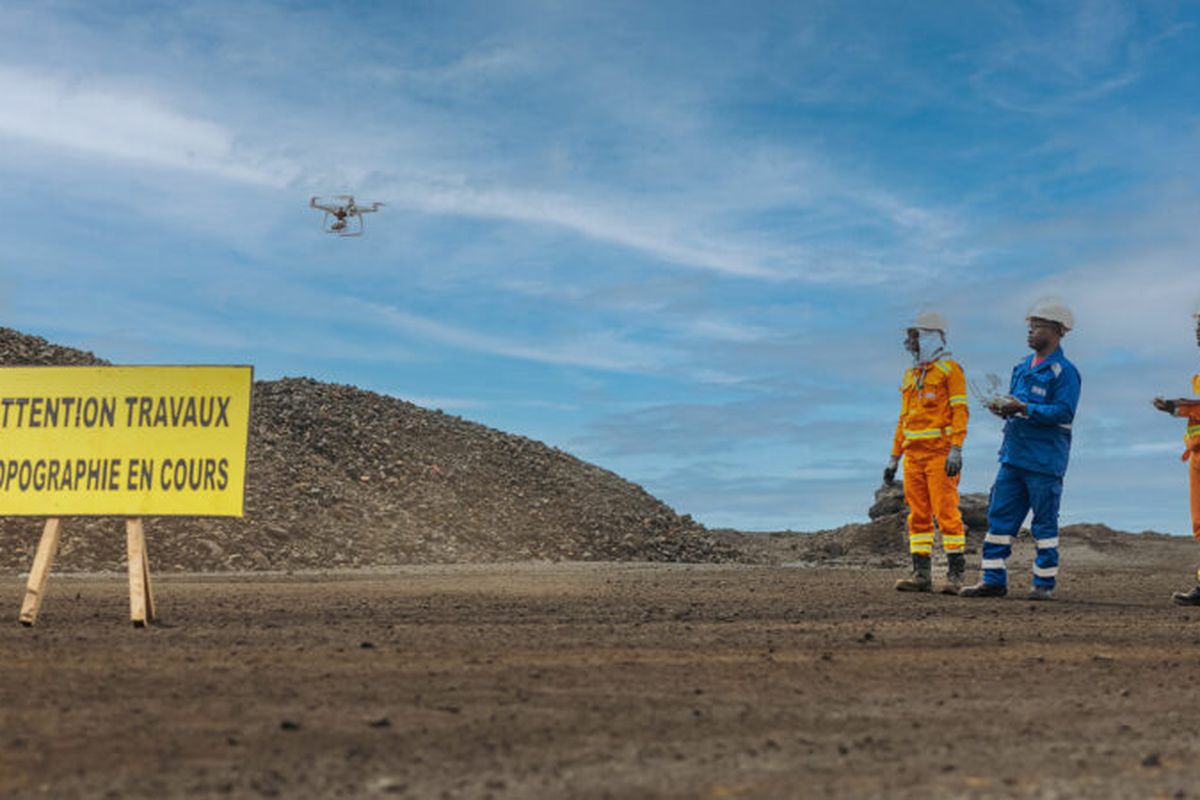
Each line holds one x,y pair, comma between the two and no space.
1033,460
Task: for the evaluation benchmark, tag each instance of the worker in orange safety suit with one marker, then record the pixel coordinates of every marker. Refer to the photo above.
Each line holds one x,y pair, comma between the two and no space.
929,438
1192,456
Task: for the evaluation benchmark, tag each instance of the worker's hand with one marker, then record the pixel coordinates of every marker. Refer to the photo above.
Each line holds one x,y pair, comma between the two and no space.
954,461
1164,405
889,472
1007,406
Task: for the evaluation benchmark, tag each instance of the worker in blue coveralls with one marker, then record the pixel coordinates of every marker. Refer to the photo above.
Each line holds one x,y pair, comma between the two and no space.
1039,410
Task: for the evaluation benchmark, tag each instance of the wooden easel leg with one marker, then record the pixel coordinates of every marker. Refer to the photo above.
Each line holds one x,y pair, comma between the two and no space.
141,599
151,613
35,589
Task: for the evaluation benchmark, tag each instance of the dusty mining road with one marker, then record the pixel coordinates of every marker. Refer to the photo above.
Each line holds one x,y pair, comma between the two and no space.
601,680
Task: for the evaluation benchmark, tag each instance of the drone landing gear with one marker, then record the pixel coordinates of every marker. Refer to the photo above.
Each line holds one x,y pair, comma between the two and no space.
349,226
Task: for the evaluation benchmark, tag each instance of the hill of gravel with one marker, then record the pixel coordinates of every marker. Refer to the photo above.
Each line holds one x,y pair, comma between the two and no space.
341,477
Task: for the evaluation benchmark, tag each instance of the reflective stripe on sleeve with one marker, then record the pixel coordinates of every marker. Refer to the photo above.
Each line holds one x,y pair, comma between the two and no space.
1045,572
958,400
1193,430
992,563
943,366
1046,544
997,538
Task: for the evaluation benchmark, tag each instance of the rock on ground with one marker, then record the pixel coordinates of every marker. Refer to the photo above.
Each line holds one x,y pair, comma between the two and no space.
889,500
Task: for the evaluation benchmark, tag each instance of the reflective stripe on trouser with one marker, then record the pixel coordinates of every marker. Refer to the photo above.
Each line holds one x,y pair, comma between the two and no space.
931,494
1194,487
1014,493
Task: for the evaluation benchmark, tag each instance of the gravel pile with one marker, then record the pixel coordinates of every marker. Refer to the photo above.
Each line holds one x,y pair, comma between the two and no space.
341,477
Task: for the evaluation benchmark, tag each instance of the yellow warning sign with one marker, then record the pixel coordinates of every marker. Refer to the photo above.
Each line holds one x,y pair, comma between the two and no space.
124,441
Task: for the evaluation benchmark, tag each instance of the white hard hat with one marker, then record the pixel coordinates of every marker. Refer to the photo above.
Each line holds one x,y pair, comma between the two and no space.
1054,311
929,321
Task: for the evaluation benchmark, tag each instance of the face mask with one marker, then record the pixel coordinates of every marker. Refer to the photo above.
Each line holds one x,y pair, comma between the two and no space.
930,345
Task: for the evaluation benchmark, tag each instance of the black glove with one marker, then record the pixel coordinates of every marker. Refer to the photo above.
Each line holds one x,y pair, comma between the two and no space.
889,472
954,461
1164,405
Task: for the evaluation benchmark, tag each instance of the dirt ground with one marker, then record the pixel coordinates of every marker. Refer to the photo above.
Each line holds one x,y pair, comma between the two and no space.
608,680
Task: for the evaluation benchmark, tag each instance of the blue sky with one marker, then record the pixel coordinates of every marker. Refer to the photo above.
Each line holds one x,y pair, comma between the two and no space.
677,239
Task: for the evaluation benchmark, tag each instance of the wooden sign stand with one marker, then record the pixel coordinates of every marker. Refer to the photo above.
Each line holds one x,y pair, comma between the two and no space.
141,594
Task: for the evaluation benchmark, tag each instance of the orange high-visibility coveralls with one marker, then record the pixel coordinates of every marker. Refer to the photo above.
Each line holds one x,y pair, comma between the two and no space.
933,417
1192,455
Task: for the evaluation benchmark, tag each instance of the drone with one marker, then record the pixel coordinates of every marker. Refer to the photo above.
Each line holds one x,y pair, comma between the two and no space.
339,216
989,395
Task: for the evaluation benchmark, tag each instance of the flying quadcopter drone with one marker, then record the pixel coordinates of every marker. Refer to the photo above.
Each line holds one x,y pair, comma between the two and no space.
339,216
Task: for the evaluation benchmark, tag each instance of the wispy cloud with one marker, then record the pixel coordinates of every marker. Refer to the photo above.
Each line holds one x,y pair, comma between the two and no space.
467,71
105,120
1056,62
112,122
664,237
807,422
598,350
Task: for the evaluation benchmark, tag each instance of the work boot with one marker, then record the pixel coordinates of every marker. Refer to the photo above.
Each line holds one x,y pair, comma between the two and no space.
956,566
982,589
1191,598
1040,593
921,579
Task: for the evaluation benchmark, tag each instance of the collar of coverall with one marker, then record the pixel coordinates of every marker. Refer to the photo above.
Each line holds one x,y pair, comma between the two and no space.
1056,356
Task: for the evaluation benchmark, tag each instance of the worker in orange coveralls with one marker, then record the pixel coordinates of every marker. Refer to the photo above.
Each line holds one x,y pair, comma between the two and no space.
929,438
1191,411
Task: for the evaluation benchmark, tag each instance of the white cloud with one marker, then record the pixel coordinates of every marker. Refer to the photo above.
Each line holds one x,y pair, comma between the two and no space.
167,327
724,330
599,350
1141,302
116,123
662,236
1047,67
468,70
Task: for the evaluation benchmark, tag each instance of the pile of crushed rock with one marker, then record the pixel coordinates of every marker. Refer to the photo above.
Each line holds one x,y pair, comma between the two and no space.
341,477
